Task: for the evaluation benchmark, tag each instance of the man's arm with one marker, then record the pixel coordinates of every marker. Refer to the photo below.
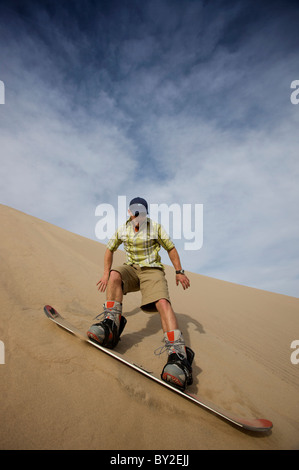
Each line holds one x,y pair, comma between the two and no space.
108,259
175,259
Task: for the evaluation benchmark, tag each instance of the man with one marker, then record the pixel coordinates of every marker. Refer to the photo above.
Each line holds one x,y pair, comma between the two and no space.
143,271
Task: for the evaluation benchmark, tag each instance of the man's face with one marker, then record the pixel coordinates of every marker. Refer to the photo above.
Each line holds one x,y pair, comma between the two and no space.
137,214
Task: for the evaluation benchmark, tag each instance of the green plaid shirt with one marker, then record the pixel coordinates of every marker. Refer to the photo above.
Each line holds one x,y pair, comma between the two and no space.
142,247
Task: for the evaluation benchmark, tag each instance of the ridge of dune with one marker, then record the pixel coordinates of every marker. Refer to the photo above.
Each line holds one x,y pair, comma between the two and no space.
59,393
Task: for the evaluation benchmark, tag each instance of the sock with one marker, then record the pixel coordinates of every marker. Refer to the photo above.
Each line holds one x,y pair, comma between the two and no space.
176,342
113,311
109,304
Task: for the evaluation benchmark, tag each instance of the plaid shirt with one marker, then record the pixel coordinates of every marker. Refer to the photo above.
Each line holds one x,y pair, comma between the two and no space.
142,247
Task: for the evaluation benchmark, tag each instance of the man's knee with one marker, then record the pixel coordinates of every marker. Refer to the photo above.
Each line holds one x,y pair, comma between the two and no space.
163,303
115,277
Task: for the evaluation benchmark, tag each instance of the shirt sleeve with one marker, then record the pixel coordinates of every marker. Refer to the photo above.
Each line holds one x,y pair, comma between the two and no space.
164,239
114,242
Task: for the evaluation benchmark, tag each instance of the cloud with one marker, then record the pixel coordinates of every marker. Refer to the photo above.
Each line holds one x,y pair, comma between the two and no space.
179,102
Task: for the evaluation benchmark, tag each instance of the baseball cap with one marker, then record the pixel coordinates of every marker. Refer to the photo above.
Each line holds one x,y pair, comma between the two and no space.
138,204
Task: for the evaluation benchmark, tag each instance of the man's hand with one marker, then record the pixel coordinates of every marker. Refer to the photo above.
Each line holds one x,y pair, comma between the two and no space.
183,279
108,258
180,278
103,283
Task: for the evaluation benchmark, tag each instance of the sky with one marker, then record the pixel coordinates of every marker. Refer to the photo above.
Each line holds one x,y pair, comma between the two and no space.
184,102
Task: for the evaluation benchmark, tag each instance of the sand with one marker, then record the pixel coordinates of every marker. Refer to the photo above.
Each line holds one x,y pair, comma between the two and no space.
58,392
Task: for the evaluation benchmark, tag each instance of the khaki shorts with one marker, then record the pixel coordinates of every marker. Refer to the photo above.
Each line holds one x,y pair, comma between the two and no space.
151,282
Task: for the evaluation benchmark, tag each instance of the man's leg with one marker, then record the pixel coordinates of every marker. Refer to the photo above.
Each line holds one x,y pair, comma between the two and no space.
122,279
178,370
167,315
108,331
114,287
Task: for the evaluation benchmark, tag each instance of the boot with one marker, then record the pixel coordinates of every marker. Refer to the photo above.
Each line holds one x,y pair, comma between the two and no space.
108,331
178,370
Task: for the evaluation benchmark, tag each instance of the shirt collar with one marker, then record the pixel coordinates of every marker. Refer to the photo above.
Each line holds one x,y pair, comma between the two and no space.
140,226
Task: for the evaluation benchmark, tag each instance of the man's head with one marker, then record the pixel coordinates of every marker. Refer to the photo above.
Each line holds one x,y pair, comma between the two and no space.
138,206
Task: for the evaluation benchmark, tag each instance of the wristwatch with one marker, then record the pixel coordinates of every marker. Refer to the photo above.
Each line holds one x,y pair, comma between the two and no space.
181,271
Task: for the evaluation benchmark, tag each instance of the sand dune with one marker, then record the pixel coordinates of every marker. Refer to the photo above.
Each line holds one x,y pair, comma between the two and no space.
59,393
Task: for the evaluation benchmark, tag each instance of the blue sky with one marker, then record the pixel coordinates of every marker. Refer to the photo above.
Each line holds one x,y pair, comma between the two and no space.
178,101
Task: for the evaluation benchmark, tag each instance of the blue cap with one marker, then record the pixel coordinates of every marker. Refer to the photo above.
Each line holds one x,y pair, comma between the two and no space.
138,204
